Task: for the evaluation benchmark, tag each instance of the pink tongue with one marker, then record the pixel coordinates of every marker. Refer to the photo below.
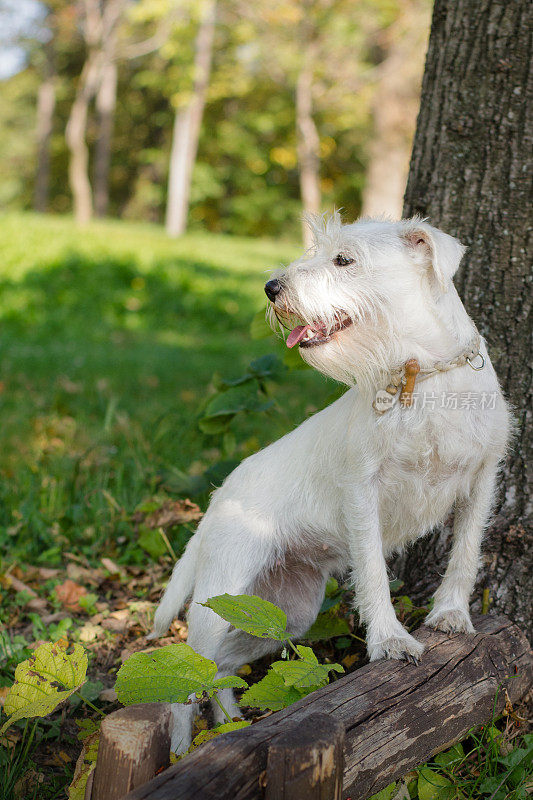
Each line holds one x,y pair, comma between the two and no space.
297,335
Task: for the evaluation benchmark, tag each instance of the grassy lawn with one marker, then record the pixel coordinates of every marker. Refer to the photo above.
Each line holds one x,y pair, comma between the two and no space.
109,339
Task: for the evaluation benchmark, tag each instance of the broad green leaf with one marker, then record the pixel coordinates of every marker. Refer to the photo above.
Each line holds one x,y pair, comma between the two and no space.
271,693
326,626
230,682
268,366
489,785
227,727
434,786
251,614
385,794
305,672
395,585
217,424
85,765
238,398
152,542
450,757
169,674
45,680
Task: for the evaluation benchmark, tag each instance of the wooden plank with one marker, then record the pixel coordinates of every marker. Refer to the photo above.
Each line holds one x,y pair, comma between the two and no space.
307,761
134,746
396,715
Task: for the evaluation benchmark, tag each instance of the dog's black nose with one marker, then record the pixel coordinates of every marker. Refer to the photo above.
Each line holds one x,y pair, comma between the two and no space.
272,288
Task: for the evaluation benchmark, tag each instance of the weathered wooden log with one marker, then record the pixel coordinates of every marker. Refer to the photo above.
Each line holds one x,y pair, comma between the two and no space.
307,761
396,716
134,747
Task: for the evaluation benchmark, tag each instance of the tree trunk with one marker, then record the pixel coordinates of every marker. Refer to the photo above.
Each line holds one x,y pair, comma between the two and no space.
46,100
105,106
187,125
308,147
395,105
75,135
469,175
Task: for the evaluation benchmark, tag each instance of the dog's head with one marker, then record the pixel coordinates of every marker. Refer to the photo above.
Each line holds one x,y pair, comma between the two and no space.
364,293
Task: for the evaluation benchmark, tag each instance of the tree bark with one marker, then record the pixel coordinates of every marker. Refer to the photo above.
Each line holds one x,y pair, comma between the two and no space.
46,100
395,105
187,125
308,146
469,175
105,106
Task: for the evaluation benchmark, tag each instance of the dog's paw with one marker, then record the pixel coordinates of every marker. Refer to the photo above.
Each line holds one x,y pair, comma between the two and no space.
451,620
403,647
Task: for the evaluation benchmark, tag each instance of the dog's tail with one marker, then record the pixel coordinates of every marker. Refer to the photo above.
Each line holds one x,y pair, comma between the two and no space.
178,590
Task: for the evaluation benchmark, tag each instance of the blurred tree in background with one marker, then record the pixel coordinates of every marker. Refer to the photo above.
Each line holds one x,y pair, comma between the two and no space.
274,108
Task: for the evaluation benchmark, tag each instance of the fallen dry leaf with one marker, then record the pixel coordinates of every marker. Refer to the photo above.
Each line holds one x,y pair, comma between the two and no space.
68,594
170,513
108,695
111,567
89,632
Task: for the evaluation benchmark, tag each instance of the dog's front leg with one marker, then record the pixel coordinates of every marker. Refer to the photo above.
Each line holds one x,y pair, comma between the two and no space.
450,611
386,637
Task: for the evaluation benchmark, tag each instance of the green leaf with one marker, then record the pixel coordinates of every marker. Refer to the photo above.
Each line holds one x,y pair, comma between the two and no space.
251,614
214,425
326,626
169,674
271,693
230,682
452,756
385,794
489,785
152,542
235,399
227,727
434,786
305,672
45,680
395,585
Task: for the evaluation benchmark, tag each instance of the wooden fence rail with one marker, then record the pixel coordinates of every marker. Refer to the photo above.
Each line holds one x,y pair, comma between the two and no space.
387,717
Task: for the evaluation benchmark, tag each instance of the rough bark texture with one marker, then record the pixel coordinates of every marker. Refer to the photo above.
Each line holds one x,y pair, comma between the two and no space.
308,145
395,716
469,174
395,106
187,126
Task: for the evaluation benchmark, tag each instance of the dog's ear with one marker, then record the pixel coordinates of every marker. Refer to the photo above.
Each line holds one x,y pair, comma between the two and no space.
443,251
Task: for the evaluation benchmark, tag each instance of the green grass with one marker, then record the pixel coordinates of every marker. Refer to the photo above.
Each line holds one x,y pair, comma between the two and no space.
109,338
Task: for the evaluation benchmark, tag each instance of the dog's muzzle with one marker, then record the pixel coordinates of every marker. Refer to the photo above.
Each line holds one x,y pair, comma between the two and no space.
272,289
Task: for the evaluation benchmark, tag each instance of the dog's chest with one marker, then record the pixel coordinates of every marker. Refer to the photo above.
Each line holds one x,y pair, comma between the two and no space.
424,469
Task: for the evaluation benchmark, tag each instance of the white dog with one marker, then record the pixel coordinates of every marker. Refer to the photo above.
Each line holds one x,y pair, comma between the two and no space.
372,472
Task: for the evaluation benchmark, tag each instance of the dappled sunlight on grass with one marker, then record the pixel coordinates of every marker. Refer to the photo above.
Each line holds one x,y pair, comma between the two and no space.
109,339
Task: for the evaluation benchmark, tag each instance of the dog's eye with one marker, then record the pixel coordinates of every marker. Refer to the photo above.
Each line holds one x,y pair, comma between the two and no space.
342,261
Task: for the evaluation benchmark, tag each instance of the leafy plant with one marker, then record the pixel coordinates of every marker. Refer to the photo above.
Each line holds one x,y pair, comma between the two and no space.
245,394
289,681
50,676
251,614
170,674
